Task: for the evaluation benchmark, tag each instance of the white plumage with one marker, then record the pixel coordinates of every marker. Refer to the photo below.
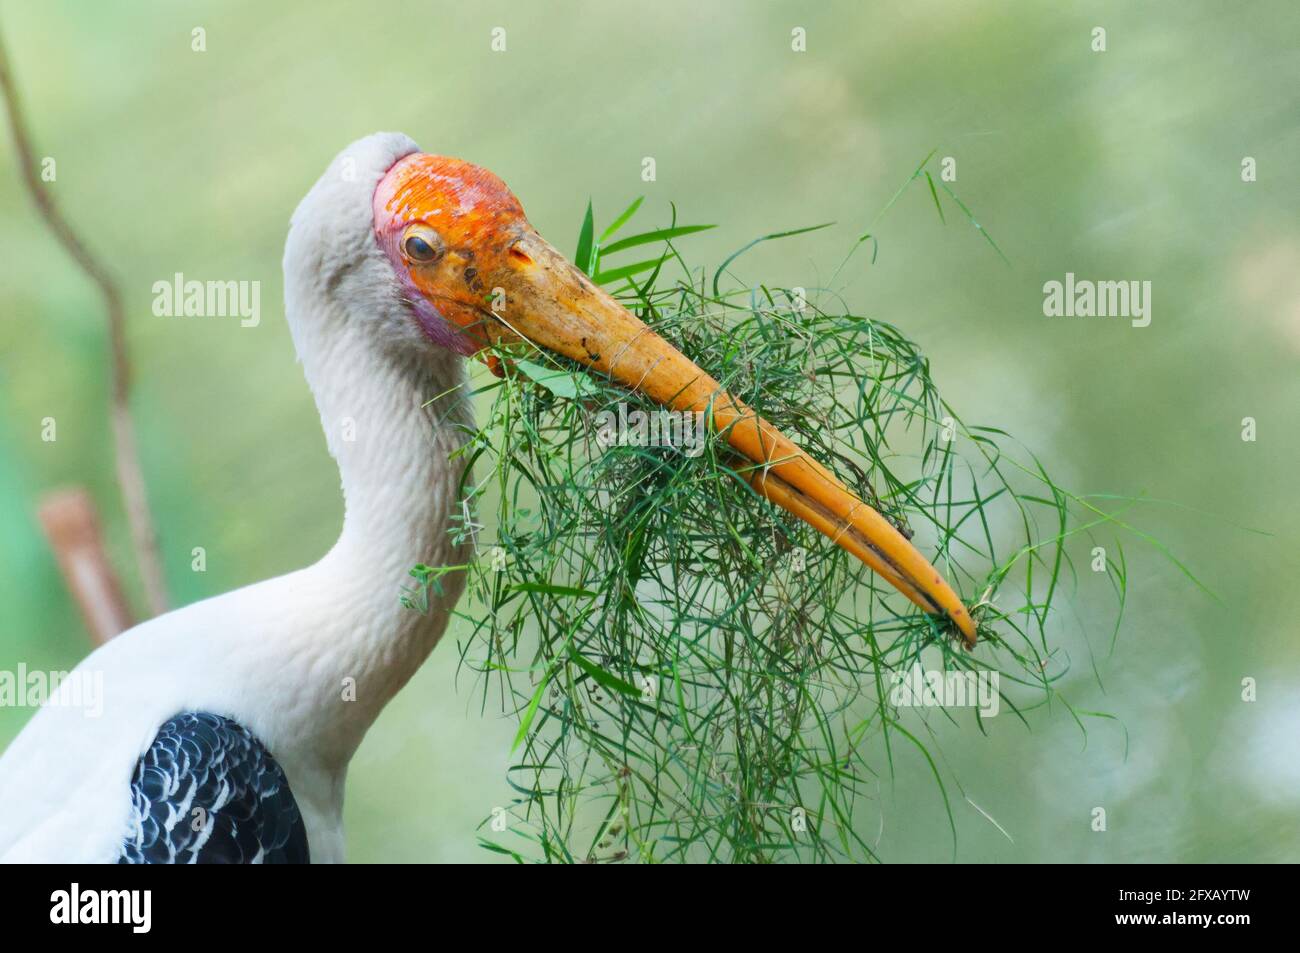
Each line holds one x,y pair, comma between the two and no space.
276,656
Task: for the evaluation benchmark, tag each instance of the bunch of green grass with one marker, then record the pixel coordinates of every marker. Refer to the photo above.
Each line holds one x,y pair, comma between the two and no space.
696,674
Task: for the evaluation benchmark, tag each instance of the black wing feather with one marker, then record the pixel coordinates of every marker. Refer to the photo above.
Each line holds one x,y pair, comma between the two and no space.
208,792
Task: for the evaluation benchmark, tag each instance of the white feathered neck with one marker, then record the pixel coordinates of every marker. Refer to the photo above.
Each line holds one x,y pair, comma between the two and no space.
394,409
305,661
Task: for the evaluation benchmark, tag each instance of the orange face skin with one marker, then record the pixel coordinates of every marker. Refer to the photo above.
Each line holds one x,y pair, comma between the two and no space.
471,219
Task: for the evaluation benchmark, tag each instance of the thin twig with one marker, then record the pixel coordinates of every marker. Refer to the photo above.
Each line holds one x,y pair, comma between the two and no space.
130,477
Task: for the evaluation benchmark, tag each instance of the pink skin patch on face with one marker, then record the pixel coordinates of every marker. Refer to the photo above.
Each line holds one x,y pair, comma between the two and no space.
467,206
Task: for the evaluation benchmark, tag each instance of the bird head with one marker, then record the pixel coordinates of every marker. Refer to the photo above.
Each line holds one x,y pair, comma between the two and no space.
452,231
474,271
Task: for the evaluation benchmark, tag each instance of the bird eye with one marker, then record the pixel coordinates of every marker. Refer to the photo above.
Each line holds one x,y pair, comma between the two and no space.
421,244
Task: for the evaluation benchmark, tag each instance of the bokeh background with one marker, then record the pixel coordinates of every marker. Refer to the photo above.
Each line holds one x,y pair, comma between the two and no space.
1117,165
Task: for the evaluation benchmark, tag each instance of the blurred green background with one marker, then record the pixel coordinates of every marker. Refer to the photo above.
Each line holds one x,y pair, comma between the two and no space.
1117,165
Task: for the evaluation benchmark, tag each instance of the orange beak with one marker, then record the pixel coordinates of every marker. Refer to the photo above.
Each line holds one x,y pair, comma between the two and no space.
552,304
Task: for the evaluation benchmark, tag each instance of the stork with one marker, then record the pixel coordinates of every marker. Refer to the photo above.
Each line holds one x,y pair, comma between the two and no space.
227,726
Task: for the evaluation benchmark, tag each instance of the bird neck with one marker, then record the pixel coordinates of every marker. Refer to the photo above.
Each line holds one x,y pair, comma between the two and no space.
394,423
391,423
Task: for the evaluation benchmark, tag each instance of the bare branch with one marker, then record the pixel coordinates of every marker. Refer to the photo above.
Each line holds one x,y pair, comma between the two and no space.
129,474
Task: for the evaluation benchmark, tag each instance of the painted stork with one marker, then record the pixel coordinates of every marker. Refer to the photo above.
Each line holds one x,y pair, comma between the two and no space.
226,726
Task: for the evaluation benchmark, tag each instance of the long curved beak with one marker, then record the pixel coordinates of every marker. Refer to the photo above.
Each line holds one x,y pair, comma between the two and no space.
555,306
